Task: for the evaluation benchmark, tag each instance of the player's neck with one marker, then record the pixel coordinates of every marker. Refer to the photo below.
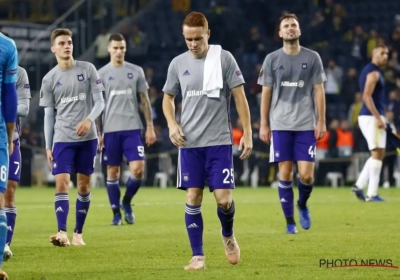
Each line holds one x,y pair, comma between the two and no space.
291,48
66,64
116,63
375,63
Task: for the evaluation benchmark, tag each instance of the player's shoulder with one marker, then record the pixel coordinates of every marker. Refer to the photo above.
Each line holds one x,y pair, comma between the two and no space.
309,52
21,70
227,56
6,43
104,69
84,65
273,55
132,67
181,58
49,76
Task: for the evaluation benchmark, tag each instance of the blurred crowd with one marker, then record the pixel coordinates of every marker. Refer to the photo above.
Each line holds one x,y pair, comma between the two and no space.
330,27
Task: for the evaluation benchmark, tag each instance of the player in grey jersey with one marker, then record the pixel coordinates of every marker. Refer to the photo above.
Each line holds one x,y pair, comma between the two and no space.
121,125
204,135
293,82
14,171
72,96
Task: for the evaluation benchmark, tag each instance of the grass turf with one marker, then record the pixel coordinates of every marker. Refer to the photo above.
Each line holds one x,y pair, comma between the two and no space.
157,247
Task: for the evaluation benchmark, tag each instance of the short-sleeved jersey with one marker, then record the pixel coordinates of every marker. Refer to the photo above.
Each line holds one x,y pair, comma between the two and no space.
378,96
122,85
70,93
292,79
23,92
205,121
8,75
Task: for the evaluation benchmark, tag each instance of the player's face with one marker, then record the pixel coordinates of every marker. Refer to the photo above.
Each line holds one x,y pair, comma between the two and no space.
63,47
382,55
289,30
196,39
117,50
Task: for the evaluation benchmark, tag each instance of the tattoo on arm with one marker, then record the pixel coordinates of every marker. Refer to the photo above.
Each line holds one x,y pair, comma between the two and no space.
144,97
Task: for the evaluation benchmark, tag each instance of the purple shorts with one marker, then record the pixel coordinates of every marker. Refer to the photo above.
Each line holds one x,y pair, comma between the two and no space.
14,169
213,165
80,156
127,143
292,146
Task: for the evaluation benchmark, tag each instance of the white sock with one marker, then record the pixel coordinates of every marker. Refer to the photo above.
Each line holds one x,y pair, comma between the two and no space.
362,180
374,175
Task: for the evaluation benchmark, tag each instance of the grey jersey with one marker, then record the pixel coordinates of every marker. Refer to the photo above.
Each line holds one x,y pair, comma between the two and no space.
70,93
23,92
292,79
205,121
122,85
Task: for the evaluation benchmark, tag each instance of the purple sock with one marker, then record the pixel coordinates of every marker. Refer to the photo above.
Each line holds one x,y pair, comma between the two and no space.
11,213
194,227
114,194
61,206
132,187
227,217
304,193
286,197
82,209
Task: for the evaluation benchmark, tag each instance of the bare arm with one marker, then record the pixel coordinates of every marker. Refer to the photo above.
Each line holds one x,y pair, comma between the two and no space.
242,108
319,93
169,109
265,105
370,83
144,98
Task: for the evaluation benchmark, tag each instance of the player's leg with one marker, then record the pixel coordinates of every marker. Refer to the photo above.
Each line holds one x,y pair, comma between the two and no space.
84,161
3,186
220,177
134,152
191,177
281,152
14,175
63,155
304,154
376,139
112,158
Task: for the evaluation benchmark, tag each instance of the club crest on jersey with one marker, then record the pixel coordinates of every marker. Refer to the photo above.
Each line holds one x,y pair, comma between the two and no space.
130,76
80,77
304,66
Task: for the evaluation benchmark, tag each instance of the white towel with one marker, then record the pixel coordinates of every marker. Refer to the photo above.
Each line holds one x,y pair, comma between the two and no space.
212,79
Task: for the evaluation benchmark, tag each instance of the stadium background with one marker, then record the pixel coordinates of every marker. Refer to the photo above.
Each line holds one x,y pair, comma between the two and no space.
343,32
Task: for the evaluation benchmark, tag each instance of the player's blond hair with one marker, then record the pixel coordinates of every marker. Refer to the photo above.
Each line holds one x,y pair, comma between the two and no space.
60,32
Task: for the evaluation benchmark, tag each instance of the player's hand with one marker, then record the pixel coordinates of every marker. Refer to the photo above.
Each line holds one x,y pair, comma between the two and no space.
177,136
150,136
83,127
49,155
381,124
265,134
246,146
320,130
101,143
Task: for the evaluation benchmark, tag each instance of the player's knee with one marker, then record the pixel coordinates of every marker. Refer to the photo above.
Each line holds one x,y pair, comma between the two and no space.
194,196
62,183
137,169
306,178
285,175
113,172
223,198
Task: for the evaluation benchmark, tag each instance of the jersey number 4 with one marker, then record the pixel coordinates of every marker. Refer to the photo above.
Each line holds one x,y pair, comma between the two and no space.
312,151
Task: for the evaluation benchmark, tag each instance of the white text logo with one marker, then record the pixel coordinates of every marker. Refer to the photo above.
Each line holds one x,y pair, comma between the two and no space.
299,84
191,93
121,92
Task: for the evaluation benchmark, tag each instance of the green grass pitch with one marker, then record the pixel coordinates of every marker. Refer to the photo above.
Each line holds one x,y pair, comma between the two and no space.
157,247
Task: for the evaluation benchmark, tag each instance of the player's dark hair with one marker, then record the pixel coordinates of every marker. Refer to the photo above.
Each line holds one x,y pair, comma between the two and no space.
378,46
116,37
60,32
195,19
287,16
